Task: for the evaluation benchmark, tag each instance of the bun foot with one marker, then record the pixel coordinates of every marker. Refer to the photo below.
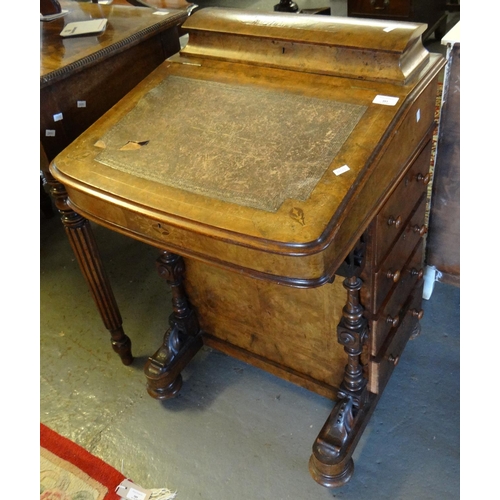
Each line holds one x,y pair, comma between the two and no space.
158,391
122,345
331,476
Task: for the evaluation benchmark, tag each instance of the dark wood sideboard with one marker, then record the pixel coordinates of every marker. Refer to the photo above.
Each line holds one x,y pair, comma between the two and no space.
430,12
82,77
279,163
443,240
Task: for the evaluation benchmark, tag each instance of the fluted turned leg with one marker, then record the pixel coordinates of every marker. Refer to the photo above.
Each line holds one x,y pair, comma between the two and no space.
331,464
84,246
181,341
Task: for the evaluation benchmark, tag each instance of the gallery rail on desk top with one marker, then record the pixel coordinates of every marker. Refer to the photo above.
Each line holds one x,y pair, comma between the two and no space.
366,49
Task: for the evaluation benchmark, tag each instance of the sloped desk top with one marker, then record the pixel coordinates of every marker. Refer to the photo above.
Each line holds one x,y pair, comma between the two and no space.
302,236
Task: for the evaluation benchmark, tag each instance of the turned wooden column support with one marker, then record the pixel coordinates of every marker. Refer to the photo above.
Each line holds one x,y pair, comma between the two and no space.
331,464
181,341
84,246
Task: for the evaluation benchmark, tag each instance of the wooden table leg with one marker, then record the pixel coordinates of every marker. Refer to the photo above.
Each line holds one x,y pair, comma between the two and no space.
84,246
331,462
181,341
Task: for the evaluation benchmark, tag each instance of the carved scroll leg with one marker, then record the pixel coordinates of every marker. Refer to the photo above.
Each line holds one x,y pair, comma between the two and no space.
331,464
181,342
84,246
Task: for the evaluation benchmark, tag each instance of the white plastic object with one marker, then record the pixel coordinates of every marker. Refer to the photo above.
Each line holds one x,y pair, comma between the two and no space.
431,275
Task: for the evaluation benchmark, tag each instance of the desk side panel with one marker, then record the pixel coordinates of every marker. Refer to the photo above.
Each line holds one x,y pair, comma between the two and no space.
288,331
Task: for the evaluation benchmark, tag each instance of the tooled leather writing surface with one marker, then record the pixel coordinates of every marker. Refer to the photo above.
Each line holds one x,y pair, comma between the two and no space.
231,142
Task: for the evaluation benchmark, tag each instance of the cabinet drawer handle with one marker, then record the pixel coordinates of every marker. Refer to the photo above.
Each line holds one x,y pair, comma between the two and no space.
396,222
392,321
419,273
394,276
421,230
417,313
425,179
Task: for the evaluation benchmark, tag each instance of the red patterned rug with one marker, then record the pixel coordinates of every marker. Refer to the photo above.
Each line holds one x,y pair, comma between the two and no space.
69,472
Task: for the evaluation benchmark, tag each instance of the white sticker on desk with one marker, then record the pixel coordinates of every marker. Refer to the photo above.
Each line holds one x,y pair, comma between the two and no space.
81,104
50,133
341,170
386,100
58,117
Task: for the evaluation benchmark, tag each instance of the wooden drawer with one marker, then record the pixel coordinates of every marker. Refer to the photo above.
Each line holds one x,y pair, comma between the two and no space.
380,367
390,272
390,316
391,220
382,8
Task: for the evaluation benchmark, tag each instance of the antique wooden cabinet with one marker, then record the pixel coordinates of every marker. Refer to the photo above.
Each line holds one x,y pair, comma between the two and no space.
430,12
443,240
279,163
82,77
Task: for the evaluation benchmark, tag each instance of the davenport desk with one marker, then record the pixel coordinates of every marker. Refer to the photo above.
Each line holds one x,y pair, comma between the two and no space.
80,79
279,162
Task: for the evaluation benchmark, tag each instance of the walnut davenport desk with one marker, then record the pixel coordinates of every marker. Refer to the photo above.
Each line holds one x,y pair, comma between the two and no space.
279,162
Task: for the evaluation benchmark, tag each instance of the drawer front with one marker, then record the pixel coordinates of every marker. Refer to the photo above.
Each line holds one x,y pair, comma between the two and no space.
393,215
390,272
390,316
380,367
382,8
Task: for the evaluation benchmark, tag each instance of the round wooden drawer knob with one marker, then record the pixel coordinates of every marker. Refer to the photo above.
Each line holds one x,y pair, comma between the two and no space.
396,222
417,313
394,275
393,321
421,230
419,273
393,359
425,179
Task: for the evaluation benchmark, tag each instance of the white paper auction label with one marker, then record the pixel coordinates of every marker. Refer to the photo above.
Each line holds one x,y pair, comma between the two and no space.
341,170
386,100
134,494
131,491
